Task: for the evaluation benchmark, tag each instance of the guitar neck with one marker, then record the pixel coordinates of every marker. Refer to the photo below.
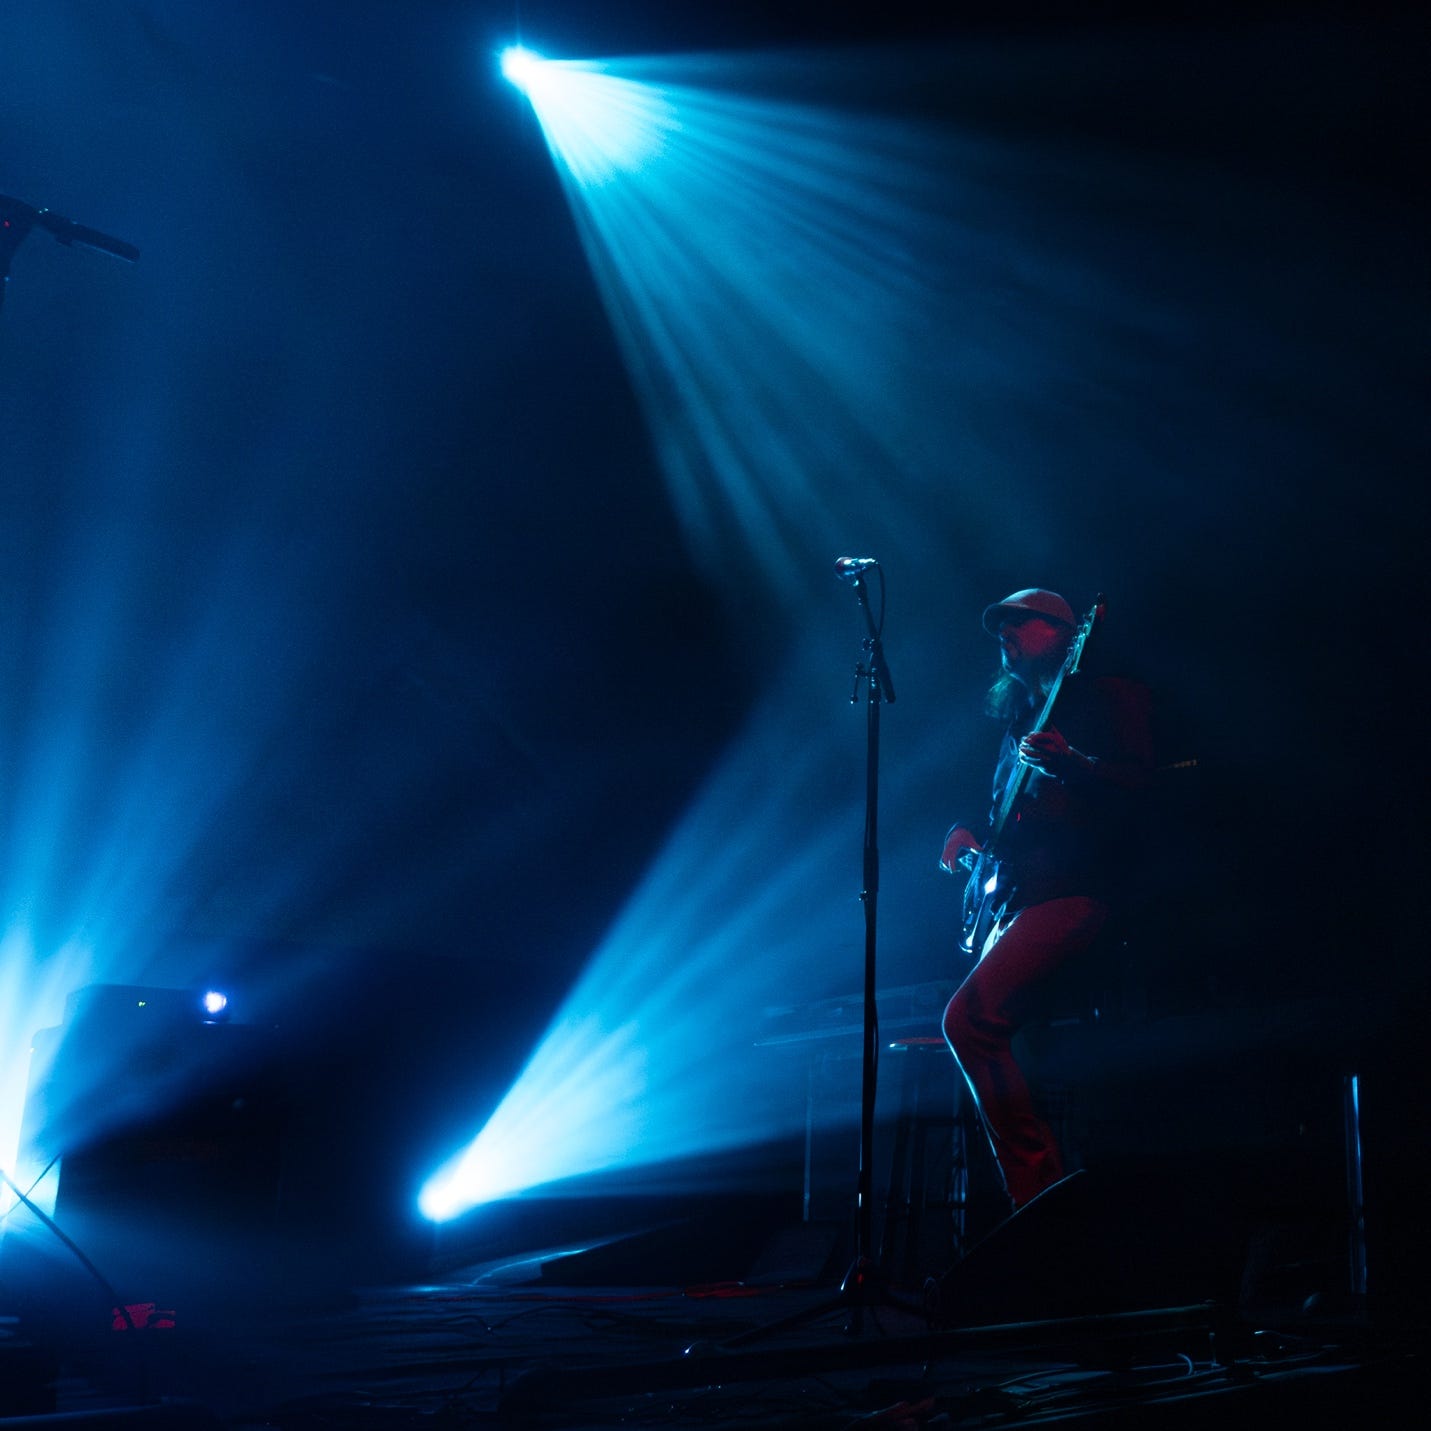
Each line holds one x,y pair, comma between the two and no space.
1015,788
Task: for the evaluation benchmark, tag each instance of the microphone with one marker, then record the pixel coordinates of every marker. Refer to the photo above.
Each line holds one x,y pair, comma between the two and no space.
851,568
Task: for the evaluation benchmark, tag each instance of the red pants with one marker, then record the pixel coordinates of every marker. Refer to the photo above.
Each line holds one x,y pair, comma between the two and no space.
987,1011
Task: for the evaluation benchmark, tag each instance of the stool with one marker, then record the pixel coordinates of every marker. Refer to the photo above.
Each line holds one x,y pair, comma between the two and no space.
941,1117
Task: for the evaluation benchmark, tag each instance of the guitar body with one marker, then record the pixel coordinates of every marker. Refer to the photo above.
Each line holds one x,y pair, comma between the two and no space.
982,898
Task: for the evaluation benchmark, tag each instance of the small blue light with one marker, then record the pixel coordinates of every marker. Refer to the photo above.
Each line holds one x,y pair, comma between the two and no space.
214,1003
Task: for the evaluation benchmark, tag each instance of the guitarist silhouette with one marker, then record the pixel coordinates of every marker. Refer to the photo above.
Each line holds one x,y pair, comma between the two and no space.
1041,877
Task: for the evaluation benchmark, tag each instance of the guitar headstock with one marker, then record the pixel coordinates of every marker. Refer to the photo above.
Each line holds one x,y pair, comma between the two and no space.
1096,613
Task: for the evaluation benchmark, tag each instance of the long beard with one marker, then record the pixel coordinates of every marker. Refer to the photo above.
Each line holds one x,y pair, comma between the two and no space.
1046,673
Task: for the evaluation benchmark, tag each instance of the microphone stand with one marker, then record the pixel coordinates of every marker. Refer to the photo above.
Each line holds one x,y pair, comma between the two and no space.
863,1285
860,1284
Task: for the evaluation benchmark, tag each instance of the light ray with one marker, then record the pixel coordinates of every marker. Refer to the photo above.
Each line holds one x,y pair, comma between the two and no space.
32,996
656,1054
598,125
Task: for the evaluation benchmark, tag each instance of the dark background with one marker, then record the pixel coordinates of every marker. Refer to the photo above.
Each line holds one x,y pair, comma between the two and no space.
352,649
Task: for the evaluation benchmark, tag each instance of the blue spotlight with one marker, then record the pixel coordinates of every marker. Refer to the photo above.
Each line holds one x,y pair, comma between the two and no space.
656,1055
520,65
215,1005
597,124
777,275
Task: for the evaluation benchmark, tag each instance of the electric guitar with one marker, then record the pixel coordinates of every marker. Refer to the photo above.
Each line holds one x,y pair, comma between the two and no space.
985,892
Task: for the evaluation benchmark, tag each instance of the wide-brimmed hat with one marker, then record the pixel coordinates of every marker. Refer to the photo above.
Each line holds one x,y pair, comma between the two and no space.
1032,601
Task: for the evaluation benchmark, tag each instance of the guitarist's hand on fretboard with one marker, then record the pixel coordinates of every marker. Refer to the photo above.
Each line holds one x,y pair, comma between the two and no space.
1050,754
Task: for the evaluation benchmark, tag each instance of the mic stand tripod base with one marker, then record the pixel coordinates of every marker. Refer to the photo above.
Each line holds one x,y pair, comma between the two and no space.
864,1286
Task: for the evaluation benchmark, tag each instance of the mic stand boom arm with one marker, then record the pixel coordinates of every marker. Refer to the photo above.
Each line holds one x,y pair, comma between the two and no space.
17,219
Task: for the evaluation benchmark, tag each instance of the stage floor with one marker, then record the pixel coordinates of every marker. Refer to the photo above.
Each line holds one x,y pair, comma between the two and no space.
529,1341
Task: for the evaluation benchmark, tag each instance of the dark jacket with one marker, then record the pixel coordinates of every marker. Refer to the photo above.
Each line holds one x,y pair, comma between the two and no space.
1068,836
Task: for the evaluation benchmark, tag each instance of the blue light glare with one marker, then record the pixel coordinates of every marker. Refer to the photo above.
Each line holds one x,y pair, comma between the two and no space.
32,996
650,1058
597,124
520,65
656,1055
779,276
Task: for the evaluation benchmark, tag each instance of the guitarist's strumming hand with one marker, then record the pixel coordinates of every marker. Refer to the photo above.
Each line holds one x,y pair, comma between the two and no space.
960,847
1050,754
